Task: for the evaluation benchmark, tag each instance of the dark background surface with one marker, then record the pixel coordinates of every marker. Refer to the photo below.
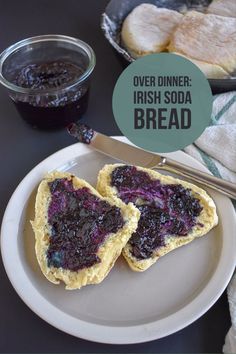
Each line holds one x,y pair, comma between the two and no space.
22,148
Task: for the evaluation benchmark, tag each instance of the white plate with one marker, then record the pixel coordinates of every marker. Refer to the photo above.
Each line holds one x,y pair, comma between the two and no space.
127,307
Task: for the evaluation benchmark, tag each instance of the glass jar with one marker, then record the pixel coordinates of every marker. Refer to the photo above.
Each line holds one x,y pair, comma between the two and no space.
48,79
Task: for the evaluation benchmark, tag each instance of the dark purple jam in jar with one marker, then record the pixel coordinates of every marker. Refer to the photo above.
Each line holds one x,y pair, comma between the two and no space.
80,223
166,209
54,99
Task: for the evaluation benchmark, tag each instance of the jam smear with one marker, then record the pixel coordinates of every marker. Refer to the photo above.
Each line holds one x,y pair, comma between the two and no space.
52,103
82,132
166,209
79,224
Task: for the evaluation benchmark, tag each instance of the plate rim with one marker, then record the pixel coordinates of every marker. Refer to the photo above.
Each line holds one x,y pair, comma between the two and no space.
98,332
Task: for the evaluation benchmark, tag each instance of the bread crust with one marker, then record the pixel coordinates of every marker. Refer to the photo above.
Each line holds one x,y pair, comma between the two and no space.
108,252
147,29
208,216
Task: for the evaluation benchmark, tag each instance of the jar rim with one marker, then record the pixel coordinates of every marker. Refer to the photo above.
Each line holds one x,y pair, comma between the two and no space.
47,38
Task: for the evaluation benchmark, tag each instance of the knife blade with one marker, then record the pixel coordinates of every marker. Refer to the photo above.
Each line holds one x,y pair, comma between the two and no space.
124,152
136,156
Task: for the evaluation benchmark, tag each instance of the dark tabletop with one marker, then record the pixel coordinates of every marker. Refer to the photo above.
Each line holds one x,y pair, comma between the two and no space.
22,148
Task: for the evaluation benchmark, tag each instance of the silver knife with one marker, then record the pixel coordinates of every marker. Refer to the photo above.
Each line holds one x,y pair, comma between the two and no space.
135,156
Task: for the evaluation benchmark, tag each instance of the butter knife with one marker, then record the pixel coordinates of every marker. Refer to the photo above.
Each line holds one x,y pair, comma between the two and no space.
135,156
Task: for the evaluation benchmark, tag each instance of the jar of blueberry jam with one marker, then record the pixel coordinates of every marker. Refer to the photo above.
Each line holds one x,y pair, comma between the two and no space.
48,79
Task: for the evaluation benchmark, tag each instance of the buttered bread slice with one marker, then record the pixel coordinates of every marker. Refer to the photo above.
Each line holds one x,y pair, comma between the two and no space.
208,38
173,212
147,29
79,234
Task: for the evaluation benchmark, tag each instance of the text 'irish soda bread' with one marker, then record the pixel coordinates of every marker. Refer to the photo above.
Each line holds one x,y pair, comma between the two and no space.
147,29
173,212
79,234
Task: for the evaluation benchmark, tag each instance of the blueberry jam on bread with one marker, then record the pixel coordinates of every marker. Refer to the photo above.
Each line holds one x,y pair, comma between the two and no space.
80,222
165,209
79,234
173,212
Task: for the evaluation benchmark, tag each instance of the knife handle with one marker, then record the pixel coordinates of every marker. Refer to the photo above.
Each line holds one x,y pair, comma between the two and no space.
220,185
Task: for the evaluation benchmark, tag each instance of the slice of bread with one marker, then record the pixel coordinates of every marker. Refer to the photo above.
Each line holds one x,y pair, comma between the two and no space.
107,252
147,29
206,37
204,222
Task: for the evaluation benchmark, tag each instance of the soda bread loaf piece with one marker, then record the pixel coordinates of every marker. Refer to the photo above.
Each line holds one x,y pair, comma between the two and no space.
173,212
79,234
211,71
222,8
206,37
147,29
